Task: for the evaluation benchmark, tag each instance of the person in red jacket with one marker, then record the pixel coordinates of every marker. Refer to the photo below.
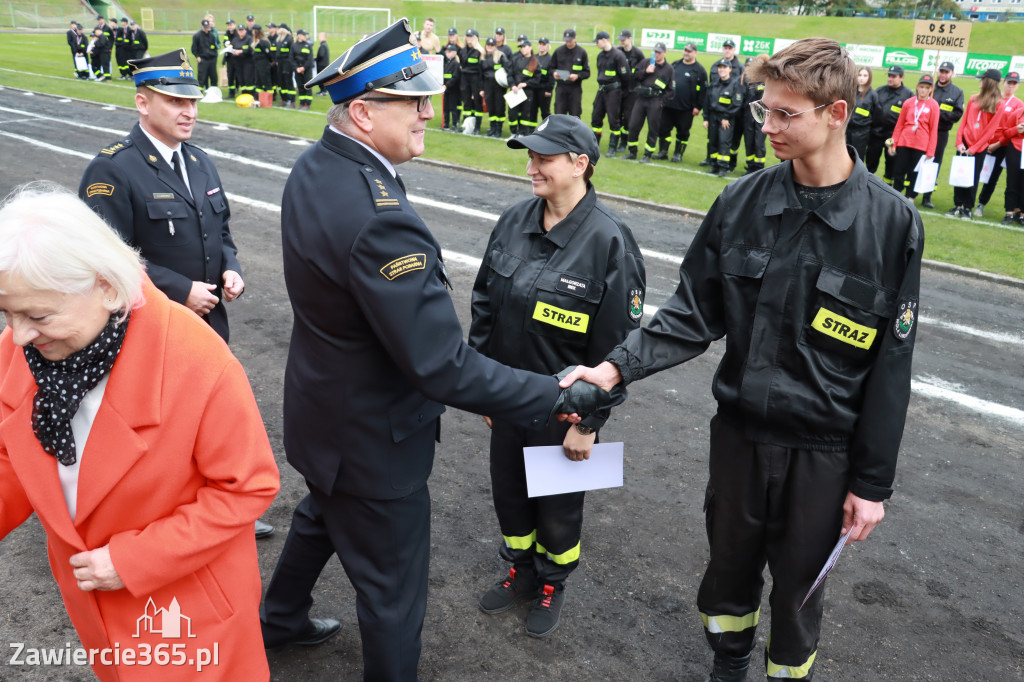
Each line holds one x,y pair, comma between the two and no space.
972,138
1009,133
915,136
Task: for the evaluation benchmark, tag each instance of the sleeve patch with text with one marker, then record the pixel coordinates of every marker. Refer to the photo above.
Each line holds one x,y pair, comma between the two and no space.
403,265
99,188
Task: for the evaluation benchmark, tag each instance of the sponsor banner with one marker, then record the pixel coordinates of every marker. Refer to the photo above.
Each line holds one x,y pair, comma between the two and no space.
715,41
942,35
909,58
782,44
650,36
1017,63
978,63
932,59
698,39
752,46
867,55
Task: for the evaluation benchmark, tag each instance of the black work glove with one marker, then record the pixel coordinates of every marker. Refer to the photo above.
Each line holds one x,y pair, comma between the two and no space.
584,398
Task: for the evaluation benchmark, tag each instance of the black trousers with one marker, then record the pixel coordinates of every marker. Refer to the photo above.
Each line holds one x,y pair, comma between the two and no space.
876,151
207,73
261,71
100,64
754,144
646,109
472,84
719,141
990,187
452,104
629,98
231,64
384,546
1014,180
569,98
903,175
542,534
494,95
678,120
774,506
858,139
964,197
607,102
286,80
122,55
245,72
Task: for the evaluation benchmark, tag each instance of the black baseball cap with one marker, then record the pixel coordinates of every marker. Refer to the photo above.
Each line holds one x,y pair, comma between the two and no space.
926,79
559,134
490,41
522,37
1013,77
472,32
569,33
947,66
723,62
453,31
602,34
543,40
625,33
499,31
205,23
451,46
660,47
249,17
994,74
271,25
729,43
895,70
525,43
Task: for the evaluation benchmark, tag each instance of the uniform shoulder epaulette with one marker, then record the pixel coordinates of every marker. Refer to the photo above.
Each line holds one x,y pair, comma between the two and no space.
193,149
384,197
116,147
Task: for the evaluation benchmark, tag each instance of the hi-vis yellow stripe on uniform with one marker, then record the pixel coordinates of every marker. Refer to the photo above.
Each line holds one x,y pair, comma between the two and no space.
566,319
895,108
862,111
724,100
843,329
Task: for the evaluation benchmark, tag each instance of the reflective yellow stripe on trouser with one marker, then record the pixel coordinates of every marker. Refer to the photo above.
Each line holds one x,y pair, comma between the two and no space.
723,623
563,558
520,541
793,672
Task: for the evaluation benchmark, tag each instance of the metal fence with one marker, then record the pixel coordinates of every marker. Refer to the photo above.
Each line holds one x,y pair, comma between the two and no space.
37,15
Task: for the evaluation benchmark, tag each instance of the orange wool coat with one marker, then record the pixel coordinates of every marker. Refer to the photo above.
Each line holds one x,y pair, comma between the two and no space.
176,469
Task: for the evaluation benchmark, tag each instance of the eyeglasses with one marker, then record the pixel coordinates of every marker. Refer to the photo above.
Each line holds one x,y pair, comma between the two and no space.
421,102
779,118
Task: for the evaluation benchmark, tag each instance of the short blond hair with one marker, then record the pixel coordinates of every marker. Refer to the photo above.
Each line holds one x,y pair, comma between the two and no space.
819,69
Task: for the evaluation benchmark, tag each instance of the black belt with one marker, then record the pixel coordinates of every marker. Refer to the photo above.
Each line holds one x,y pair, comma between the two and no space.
649,92
606,87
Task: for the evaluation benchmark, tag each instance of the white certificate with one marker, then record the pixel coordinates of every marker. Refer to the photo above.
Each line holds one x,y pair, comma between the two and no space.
550,472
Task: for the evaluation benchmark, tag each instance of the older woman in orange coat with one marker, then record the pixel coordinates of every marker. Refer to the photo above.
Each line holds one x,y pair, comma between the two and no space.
131,431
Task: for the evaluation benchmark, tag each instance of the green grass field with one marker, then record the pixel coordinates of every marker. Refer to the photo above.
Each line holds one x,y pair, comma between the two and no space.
41,62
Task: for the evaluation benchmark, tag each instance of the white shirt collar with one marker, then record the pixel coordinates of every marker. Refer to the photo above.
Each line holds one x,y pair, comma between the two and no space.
165,151
387,164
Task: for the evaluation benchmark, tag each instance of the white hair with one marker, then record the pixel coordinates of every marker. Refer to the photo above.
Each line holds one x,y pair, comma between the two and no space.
53,241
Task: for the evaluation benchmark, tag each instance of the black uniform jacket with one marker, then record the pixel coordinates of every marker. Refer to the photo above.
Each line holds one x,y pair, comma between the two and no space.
951,104
541,77
888,104
691,82
470,60
183,237
546,300
452,72
575,61
612,67
204,45
863,110
633,57
376,346
818,311
658,83
724,100
302,55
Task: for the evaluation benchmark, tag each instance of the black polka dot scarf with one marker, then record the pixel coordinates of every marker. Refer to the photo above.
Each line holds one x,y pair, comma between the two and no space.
64,383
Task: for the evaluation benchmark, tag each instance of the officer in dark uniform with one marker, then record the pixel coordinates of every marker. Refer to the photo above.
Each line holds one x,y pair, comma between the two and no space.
164,197
888,105
285,66
613,77
471,60
634,55
122,49
570,65
725,97
204,49
244,68
811,271
691,81
753,136
494,92
654,86
228,39
736,73
951,110
100,55
275,75
524,65
302,57
323,58
78,44
138,41
261,61
542,84
452,104
376,349
564,255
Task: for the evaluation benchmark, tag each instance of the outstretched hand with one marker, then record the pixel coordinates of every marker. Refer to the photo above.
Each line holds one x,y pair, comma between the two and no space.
585,390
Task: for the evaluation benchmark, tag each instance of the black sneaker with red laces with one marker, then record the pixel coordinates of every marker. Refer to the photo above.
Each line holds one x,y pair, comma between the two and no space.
517,586
543,617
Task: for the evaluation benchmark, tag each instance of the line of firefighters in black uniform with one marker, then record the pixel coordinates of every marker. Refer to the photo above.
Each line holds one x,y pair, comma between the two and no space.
633,90
260,60
127,41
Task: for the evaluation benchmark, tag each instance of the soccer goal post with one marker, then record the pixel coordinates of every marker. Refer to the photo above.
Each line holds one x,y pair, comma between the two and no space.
348,22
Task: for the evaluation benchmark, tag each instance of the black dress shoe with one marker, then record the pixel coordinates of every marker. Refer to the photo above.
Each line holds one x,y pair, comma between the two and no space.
318,631
263,530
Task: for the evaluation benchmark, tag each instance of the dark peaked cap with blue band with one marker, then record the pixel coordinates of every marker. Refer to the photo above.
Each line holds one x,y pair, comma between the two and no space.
385,61
170,74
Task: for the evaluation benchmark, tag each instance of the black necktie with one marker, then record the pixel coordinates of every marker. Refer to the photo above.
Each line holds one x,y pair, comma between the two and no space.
177,169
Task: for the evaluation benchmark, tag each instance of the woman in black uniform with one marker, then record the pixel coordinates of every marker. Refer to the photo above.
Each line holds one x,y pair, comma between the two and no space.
858,130
561,283
261,60
470,60
493,90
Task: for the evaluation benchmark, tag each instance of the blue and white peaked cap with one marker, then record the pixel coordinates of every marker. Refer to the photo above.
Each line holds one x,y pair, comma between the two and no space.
169,73
385,61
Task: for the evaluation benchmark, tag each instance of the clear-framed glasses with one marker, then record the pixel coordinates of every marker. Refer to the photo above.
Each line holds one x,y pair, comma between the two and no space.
421,102
779,118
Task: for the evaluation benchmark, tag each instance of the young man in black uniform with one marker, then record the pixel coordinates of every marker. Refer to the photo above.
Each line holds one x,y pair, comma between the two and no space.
121,49
244,69
323,58
164,197
951,110
810,269
524,66
204,49
570,65
889,103
691,81
452,104
275,74
227,42
302,57
654,86
634,55
78,45
376,351
753,136
100,55
724,99
613,77
736,73
138,41
542,85
285,66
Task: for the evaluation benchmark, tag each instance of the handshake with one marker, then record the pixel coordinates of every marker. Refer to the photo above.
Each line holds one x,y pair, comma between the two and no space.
580,398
